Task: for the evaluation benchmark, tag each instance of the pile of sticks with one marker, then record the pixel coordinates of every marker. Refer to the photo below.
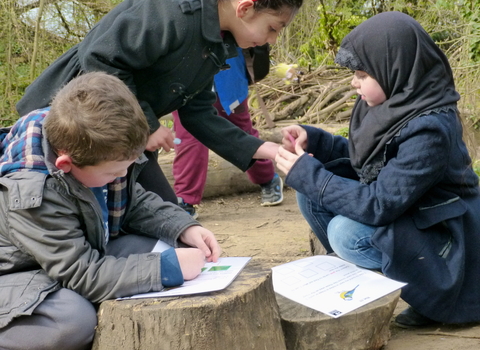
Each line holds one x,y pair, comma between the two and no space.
311,97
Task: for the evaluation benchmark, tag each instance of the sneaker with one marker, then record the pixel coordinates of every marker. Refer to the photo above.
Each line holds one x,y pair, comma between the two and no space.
189,208
409,318
272,192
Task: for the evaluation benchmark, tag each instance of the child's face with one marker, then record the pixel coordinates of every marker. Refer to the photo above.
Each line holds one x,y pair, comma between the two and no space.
256,28
368,88
102,173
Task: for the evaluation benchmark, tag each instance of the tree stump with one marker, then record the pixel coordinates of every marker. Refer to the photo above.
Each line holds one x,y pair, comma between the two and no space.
366,328
316,248
243,316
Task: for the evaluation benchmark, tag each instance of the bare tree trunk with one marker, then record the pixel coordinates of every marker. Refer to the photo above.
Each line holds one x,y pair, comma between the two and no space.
35,42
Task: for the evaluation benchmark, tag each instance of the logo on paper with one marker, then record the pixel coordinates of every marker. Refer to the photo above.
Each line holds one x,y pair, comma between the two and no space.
348,295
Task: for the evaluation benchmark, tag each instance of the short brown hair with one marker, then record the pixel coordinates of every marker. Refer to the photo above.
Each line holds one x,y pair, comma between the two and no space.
96,118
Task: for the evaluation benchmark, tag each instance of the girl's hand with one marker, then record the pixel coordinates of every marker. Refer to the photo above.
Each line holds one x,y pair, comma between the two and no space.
285,159
203,239
161,138
293,136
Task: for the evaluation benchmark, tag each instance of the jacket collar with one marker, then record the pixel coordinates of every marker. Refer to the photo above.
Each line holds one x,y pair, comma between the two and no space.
210,20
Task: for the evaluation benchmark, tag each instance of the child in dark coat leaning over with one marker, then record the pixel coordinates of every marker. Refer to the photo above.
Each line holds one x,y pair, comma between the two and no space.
399,195
168,52
74,229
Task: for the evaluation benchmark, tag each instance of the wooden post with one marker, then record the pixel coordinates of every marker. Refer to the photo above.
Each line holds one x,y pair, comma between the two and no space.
243,316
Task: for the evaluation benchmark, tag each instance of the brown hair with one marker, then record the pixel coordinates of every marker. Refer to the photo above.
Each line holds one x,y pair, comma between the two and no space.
96,118
277,5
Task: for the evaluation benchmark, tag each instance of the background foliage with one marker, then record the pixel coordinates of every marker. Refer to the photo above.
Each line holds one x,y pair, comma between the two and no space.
35,32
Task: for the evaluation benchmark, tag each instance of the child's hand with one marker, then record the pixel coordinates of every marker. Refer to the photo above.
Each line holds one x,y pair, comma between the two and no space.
161,138
203,239
191,261
268,150
286,159
294,136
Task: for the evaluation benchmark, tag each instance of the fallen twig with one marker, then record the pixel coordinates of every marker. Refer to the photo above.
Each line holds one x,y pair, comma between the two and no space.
445,334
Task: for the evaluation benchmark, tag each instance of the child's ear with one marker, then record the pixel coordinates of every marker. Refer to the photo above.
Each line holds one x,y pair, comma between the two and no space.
64,162
243,6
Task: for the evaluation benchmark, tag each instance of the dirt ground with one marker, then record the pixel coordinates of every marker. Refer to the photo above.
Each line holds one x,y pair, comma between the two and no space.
280,234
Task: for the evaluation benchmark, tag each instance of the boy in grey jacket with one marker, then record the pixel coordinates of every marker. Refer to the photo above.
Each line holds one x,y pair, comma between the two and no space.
75,228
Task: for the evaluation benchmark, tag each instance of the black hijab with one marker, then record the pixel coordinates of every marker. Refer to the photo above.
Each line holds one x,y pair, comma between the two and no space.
413,72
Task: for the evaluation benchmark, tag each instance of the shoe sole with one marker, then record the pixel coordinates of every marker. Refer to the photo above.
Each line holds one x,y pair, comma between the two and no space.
271,204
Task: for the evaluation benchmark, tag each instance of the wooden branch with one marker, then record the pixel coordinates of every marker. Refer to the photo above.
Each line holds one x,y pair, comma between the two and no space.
331,108
314,96
336,105
266,115
316,104
280,91
343,115
445,334
292,107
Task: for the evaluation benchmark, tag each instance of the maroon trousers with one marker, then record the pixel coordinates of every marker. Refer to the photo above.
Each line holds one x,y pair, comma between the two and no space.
191,157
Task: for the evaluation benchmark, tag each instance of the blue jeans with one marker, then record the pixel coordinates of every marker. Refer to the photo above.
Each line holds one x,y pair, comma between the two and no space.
349,239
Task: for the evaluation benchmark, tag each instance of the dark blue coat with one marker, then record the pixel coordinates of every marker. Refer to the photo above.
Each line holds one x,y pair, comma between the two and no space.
425,203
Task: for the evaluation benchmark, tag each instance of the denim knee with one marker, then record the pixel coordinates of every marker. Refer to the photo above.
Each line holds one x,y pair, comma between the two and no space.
351,241
317,218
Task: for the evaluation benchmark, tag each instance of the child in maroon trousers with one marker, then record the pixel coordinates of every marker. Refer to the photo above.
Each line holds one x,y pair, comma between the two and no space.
190,165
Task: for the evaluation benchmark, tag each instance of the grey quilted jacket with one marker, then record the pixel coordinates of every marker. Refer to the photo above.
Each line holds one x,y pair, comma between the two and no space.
52,236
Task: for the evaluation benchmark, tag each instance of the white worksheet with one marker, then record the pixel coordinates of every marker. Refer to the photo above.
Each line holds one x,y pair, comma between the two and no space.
214,277
330,285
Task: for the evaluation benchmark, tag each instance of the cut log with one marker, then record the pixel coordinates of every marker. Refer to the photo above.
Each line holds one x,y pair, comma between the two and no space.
316,248
366,328
223,178
241,317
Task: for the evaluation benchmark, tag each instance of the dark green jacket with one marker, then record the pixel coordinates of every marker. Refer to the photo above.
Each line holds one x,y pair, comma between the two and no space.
167,52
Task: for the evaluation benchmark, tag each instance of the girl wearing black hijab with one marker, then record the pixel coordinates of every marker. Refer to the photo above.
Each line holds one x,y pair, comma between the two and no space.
399,195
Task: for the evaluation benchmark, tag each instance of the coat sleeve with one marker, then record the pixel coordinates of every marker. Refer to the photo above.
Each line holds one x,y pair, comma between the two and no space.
149,215
324,146
230,142
422,154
